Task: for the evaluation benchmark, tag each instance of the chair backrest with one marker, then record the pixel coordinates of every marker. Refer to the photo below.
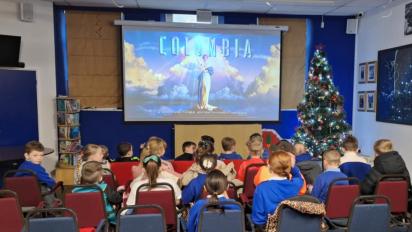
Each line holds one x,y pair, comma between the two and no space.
11,217
165,198
25,184
355,169
110,179
250,173
63,220
180,166
341,197
294,221
236,163
123,171
88,206
221,219
370,217
394,187
154,222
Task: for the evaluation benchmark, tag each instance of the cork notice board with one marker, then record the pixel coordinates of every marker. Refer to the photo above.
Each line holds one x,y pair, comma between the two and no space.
240,132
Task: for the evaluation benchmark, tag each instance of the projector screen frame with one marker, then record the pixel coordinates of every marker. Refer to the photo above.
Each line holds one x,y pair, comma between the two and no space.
151,24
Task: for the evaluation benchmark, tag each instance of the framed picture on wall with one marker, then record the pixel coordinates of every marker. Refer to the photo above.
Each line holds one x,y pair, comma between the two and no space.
370,101
408,19
372,72
361,101
363,71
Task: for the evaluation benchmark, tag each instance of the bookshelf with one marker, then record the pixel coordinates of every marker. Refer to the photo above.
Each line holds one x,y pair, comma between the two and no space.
68,127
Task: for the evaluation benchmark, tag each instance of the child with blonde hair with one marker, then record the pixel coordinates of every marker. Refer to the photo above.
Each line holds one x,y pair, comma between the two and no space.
279,187
387,161
91,152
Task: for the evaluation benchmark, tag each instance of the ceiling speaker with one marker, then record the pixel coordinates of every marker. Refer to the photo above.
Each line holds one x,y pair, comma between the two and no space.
204,16
352,26
26,12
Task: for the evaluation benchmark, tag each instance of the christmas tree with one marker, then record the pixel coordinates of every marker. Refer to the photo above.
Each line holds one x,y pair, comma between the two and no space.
321,113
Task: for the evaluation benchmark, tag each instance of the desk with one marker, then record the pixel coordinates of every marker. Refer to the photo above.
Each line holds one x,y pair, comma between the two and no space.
12,157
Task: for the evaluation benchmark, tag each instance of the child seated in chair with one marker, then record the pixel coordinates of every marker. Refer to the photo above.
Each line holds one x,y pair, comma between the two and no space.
125,152
34,154
331,161
216,185
279,187
193,191
92,174
229,150
152,165
91,152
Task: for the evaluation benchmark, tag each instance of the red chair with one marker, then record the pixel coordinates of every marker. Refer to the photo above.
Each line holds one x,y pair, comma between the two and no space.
164,198
249,187
88,206
395,187
182,166
28,188
341,197
236,163
110,179
123,171
11,217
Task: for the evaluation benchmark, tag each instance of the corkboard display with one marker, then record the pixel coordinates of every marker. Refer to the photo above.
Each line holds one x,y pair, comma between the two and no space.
94,58
293,60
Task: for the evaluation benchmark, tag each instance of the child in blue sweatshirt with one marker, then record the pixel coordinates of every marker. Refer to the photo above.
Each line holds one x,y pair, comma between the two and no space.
33,153
193,191
216,185
279,187
229,150
92,174
331,161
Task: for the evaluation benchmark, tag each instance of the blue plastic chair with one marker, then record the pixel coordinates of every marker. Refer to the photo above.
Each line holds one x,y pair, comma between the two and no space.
66,222
153,222
221,219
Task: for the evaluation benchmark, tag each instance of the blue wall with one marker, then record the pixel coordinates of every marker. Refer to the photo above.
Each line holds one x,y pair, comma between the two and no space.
103,127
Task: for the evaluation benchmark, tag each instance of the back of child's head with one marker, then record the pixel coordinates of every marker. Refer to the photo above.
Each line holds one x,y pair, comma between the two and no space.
124,148
152,165
383,146
154,146
208,138
33,146
280,163
187,144
92,150
105,151
204,147
255,145
285,145
332,157
92,173
207,162
299,148
216,183
350,143
228,143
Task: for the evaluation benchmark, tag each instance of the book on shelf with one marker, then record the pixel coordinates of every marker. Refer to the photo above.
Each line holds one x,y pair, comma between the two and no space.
68,159
69,146
67,132
68,105
67,119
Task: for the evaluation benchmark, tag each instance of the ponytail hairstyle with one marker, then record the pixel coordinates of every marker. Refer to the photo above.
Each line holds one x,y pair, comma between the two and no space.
152,165
204,147
216,184
207,162
280,163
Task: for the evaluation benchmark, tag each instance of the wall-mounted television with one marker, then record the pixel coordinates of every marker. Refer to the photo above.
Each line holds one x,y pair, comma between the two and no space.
10,51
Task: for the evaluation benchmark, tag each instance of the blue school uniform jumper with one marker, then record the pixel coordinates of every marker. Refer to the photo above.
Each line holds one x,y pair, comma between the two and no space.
322,182
42,176
355,169
303,157
232,156
270,193
193,191
194,213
